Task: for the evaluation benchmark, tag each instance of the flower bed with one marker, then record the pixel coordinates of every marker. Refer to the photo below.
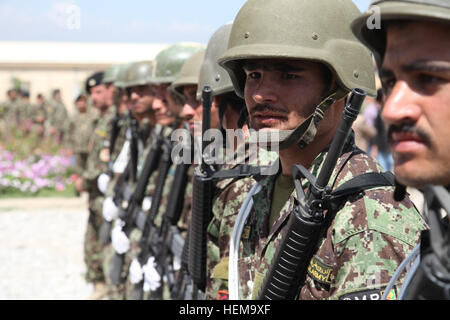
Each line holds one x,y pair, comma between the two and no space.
36,175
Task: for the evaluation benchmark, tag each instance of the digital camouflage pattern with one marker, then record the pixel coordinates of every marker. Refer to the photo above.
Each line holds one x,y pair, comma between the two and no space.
226,206
367,240
97,163
80,131
57,116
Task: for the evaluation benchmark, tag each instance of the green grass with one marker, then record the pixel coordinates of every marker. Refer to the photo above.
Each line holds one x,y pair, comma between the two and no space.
69,192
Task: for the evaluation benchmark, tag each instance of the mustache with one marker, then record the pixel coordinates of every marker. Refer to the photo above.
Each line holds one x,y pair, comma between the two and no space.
410,129
267,108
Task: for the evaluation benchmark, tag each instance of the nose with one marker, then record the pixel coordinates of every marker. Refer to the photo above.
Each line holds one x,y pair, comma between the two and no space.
265,90
157,104
402,105
188,111
134,96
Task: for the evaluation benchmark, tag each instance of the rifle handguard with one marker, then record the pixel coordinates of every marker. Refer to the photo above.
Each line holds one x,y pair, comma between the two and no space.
292,258
115,273
201,206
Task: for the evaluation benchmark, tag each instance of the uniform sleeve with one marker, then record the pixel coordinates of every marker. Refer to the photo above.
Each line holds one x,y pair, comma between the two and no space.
368,240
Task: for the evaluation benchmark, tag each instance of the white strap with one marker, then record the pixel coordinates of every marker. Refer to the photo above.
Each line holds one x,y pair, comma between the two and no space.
122,159
233,268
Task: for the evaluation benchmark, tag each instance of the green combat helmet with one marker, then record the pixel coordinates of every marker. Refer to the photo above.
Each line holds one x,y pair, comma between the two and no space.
119,82
369,27
138,74
110,74
211,73
168,63
189,72
301,29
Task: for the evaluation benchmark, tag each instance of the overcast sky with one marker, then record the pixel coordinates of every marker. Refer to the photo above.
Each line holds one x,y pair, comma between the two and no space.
157,21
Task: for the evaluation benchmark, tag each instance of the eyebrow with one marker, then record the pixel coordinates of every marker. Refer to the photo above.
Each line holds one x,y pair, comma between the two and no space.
426,65
417,66
277,66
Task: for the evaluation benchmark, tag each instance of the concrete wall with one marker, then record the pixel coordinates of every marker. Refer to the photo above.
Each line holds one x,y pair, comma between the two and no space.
47,66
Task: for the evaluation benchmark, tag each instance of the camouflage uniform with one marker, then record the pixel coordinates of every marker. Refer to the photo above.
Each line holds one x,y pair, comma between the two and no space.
230,196
80,131
97,163
58,116
38,115
366,241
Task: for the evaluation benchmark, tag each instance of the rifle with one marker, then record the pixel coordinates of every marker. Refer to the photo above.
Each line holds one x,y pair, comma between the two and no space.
182,288
201,207
134,150
430,278
170,242
131,208
122,193
308,221
113,138
145,241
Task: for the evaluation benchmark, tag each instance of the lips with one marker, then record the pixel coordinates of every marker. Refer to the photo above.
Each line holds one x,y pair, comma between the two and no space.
266,117
406,142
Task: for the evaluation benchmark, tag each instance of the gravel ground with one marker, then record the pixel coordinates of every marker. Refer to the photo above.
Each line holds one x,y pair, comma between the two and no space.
41,249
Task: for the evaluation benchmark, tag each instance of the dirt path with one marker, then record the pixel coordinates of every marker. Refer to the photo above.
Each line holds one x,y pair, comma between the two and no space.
41,249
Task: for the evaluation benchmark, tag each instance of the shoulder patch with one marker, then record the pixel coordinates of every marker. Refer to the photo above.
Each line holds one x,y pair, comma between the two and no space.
370,294
246,232
222,295
101,133
221,269
320,272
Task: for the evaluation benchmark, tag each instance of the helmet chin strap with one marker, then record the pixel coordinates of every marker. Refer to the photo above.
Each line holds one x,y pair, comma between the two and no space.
305,132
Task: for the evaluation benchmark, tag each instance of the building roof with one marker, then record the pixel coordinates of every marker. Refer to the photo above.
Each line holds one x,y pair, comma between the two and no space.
75,53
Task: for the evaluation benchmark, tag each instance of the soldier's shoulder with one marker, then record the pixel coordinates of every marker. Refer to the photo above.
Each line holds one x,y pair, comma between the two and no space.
376,210
353,164
231,196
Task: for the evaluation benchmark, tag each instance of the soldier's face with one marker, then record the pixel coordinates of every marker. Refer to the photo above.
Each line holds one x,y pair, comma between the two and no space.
81,105
281,93
110,93
416,78
164,106
191,105
141,99
99,97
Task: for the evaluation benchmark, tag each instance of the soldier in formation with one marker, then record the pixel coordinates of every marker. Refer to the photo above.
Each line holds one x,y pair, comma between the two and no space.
174,214
413,56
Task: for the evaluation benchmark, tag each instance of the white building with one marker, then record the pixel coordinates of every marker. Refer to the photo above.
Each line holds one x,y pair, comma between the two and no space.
45,66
